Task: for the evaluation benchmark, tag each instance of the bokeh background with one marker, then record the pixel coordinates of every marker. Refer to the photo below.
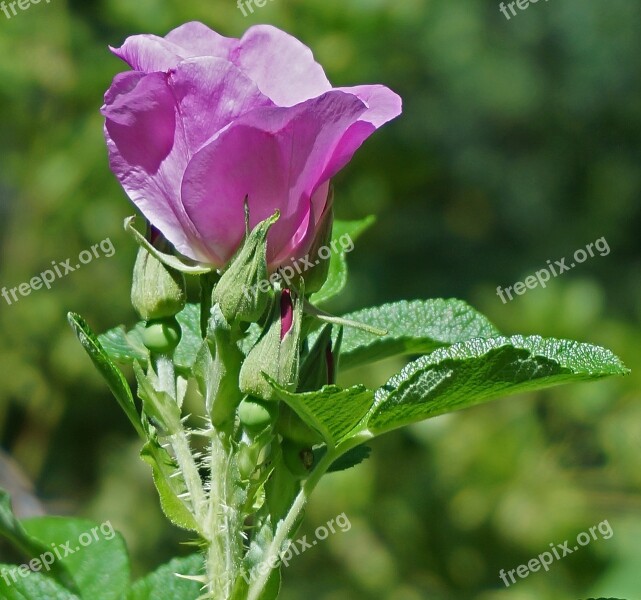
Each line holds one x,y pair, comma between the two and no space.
519,143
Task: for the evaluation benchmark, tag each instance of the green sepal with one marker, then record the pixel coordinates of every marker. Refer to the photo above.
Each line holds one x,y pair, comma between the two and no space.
113,376
244,292
317,364
182,264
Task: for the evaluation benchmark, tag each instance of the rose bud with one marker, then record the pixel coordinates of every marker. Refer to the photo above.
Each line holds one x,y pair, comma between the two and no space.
243,292
277,351
157,291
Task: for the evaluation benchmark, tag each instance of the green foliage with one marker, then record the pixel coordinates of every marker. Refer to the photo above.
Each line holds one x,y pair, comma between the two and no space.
163,583
113,376
416,327
342,232
98,563
480,370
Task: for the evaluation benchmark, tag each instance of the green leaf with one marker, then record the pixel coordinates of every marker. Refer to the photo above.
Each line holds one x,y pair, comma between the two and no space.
94,554
164,583
169,487
17,583
414,327
191,340
161,409
114,377
124,346
331,411
344,233
351,458
480,370
13,530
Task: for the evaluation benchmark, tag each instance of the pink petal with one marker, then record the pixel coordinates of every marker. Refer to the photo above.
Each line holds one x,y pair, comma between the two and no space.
149,53
383,105
282,66
148,155
197,39
276,157
211,93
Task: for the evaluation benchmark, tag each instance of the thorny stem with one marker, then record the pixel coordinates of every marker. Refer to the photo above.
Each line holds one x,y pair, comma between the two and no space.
180,443
223,523
284,528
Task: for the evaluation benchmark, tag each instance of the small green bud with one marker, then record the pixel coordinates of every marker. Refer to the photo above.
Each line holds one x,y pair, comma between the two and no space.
162,336
244,292
222,368
256,415
317,368
281,490
157,291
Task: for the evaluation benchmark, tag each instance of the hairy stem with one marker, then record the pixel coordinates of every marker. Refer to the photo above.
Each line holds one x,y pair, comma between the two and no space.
180,443
223,522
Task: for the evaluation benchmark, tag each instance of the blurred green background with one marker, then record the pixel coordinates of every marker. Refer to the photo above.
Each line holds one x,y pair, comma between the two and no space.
519,143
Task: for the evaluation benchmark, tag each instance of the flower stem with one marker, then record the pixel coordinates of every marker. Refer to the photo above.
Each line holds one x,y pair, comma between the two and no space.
285,526
180,443
223,523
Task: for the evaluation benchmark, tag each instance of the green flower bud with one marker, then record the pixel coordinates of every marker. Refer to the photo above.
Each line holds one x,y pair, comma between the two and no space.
157,291
244,292
220,366
277,352
256,415
162,336
317,369
281,490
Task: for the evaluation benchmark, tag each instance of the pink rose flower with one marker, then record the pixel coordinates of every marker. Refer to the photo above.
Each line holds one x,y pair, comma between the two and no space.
203,121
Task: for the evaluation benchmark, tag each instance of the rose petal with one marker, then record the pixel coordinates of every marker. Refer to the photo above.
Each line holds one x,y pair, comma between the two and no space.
283,67
383,105
148,155
149,53
196,39
276,157
211,93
